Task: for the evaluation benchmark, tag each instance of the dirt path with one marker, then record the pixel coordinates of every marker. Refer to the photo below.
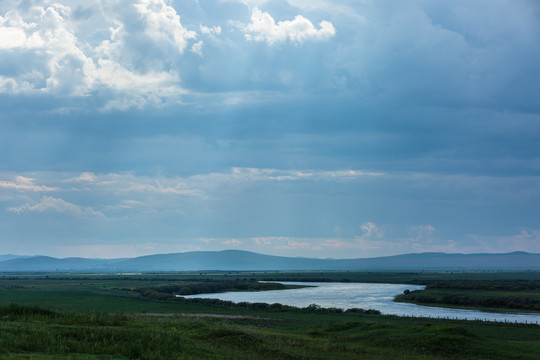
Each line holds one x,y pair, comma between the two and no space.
220,316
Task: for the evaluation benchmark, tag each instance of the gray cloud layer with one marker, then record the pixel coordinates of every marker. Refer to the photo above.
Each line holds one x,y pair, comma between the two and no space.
173,112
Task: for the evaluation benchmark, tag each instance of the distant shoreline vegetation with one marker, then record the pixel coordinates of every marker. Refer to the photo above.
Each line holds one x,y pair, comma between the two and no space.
224,286
493,295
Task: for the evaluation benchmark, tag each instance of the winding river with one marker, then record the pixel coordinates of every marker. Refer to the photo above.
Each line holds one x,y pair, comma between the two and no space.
366,296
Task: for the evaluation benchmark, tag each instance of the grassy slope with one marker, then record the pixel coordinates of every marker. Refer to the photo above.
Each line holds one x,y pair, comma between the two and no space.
75,331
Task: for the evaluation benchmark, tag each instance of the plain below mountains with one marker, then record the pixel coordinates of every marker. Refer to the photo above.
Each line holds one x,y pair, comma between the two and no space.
236,260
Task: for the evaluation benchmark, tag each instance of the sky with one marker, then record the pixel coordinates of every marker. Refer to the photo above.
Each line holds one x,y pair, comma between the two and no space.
313,128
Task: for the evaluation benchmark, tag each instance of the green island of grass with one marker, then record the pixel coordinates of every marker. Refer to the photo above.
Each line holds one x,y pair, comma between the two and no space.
489,295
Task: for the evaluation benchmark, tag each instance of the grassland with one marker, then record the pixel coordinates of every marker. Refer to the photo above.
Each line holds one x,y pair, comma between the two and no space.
102,316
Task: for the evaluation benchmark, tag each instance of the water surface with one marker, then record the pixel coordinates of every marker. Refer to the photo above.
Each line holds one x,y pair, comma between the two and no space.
366,296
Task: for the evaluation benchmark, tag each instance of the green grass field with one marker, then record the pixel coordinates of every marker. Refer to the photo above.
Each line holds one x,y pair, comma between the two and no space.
95,316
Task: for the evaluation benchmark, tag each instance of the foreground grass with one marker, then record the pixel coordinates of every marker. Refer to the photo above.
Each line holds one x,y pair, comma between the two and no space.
103,317
38,333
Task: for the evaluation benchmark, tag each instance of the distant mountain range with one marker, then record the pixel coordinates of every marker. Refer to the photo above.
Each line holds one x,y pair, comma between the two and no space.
236,260
10,256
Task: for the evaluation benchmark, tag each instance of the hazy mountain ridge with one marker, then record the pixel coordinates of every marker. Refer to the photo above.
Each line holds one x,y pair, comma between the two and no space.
11,256
236,260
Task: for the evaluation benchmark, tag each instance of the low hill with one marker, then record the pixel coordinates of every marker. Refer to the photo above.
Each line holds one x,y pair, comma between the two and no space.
236,260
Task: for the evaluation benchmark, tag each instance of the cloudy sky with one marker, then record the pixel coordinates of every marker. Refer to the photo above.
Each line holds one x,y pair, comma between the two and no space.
319,128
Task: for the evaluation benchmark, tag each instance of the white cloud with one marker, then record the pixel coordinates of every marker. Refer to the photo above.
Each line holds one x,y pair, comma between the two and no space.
214,30
256,174
49,203
52,53
207,240
163,23
232,242
13,37
84,177
373,240
424,233
268,240
25,184
199,185
197,48
131,184
314,244
371,231
155,83
294,245
44,32
125,204
263,27
179,189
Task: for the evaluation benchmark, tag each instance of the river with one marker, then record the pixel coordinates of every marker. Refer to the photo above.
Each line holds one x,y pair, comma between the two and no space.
365,296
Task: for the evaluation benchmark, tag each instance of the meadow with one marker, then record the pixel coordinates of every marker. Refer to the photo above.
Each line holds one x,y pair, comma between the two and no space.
105,316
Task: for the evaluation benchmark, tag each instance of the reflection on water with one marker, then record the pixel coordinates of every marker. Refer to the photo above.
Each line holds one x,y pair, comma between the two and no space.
366,296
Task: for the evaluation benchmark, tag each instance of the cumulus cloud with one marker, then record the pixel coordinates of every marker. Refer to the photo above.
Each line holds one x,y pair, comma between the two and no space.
51,52
163,23
373,239
371,231
44,34
263,27
14,37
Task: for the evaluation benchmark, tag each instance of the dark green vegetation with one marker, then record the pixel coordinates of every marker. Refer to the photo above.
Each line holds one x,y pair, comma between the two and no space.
521,295
208,287
93,316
